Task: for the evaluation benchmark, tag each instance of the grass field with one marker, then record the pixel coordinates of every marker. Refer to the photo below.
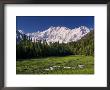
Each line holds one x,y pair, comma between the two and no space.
56,65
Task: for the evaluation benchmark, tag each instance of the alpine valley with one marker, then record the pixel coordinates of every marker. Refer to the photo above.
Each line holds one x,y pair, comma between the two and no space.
57,50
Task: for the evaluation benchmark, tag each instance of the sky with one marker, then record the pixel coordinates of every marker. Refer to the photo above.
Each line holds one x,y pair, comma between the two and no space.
41,23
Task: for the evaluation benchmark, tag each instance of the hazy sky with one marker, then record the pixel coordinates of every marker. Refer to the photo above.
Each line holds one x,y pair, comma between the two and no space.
40,23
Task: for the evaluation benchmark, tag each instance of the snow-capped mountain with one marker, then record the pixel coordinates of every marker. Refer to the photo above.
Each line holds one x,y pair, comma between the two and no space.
19,35
60,34
55,34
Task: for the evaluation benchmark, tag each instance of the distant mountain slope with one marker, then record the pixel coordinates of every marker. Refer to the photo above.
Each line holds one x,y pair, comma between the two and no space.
88,37
86,44
19,35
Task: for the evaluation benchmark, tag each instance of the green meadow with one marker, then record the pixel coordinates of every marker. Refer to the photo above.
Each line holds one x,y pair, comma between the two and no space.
73,64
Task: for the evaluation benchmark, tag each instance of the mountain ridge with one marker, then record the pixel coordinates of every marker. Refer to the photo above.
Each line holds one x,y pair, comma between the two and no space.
58,34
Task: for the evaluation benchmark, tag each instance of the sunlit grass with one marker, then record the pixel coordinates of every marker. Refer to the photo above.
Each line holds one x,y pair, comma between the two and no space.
44,65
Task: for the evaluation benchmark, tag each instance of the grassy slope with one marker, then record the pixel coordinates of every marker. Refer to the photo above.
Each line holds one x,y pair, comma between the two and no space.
38,66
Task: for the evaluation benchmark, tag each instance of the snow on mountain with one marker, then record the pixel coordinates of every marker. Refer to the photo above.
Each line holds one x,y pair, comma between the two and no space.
60,34
21,31
19,35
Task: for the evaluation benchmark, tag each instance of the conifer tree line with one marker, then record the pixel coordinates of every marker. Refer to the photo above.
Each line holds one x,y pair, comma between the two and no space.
26,49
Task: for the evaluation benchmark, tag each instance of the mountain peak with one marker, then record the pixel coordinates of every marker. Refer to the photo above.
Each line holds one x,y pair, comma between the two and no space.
58,28
60,34
21,31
